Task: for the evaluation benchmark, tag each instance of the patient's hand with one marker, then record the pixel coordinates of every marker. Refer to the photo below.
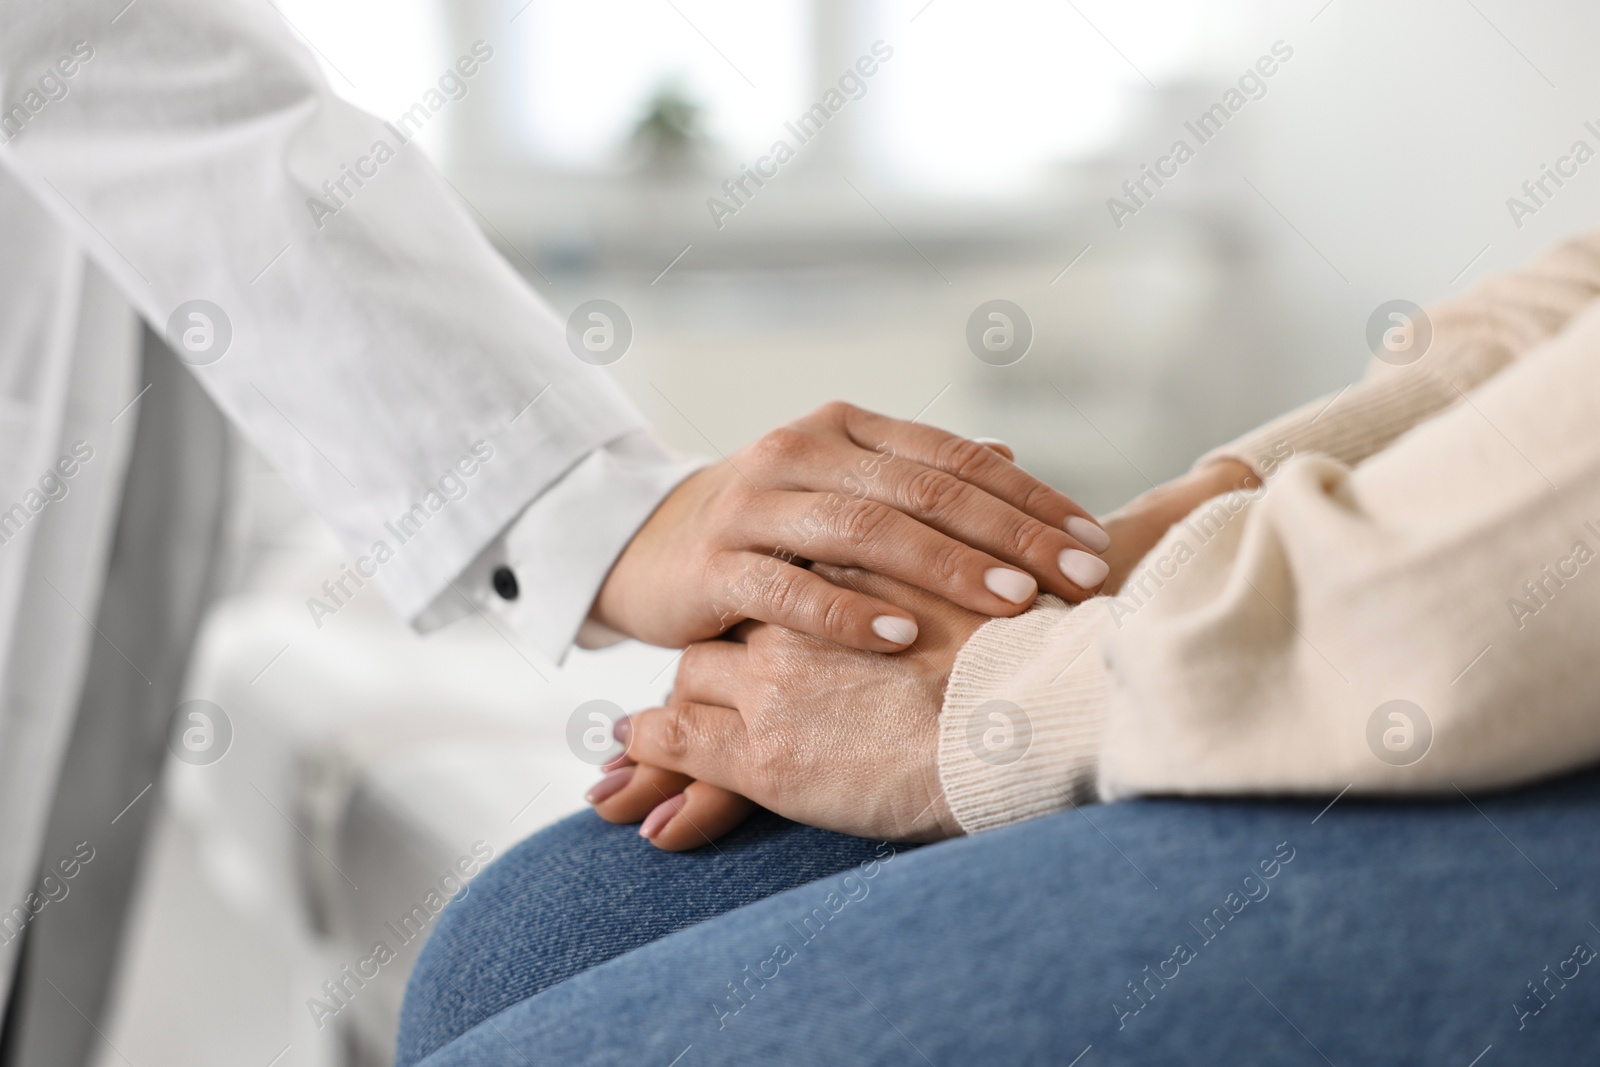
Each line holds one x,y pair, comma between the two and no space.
848,487
677,812
826,735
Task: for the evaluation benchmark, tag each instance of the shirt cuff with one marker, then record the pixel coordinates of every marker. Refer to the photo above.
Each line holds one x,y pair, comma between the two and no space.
542,574
1019,734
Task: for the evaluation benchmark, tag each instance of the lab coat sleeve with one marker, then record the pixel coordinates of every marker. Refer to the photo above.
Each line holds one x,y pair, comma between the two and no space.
357,325
559,552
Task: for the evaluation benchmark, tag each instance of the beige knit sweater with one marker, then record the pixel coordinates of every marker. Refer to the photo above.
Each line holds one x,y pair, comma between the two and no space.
1429,535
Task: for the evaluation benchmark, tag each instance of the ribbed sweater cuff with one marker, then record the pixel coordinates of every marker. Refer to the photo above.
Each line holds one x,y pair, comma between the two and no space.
1023,714
1348,426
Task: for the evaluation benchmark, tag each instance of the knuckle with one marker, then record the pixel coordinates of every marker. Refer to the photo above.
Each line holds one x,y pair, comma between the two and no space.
841,614
948,562
861,522
677,730
1029,536
931,491
781,447
834,411
964,458
786,593
1039,499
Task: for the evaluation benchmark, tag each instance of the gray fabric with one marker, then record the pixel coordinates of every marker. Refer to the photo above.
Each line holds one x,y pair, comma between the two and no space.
69,361
161,569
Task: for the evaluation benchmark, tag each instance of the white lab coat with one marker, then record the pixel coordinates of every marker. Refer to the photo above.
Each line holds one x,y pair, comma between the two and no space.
165,151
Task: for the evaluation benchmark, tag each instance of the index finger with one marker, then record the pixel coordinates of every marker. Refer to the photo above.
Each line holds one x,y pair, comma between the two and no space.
702,741
972,462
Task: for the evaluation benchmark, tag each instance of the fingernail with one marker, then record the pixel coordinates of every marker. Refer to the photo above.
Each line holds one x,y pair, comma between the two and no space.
1082,569
1088,534
894,629
610,785
622,730
662,814
992,441
615,762
1009,584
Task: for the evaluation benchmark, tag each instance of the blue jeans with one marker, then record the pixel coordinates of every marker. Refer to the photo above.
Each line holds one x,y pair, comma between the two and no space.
1201,932
584,891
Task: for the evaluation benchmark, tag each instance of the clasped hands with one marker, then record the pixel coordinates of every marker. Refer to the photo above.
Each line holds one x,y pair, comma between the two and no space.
819,732
824,580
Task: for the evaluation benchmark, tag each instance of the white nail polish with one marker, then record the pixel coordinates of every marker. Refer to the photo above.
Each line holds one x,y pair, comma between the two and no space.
1082,569
1010,585
1088,534
894,629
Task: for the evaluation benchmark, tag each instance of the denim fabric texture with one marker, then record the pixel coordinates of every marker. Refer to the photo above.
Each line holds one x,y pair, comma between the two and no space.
1160,931
584,891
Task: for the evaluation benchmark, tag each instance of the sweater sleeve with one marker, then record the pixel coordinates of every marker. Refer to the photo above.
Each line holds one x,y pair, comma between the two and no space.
1473,337
1024,714
1416,623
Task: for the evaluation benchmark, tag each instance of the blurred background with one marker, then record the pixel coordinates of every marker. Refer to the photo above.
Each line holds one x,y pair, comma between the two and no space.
975,164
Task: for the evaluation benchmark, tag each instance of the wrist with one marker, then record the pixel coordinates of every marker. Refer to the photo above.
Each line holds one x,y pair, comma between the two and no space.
635,598
1171,502
1223,475
1137,526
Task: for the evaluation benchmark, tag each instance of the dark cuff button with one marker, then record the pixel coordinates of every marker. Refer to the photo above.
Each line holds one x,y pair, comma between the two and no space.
505,583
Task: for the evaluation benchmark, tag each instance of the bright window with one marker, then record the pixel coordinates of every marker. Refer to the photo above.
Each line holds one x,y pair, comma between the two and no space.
590,68
981,98
984,97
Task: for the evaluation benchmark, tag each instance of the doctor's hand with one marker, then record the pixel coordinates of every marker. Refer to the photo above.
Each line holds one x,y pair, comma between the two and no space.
848,487
829,736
